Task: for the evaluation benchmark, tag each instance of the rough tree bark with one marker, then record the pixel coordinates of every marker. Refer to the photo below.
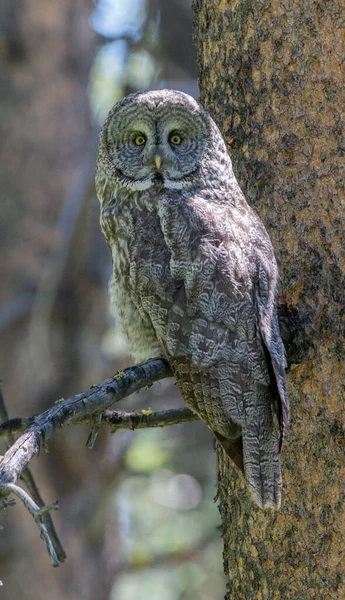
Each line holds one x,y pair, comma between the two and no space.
272,75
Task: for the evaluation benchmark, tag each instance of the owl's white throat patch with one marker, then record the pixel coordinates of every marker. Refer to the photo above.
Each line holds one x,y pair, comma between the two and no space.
139,184
155,183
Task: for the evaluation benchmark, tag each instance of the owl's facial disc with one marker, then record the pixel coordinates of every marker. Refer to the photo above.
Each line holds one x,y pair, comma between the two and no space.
159,147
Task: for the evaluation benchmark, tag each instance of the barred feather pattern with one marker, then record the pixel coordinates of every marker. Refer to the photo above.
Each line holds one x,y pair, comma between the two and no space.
194,276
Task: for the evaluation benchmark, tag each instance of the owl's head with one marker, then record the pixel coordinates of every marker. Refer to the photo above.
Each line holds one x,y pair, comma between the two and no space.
157,139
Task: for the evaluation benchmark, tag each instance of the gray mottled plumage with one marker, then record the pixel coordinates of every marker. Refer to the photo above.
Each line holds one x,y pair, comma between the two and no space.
194,274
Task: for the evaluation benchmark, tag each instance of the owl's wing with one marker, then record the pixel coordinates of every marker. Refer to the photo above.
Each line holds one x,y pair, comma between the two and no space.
265,303
222,334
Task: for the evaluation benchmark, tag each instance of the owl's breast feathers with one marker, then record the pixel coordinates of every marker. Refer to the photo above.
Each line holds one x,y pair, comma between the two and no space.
205,276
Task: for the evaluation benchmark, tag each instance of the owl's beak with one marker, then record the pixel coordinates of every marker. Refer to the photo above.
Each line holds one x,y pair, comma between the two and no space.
158,161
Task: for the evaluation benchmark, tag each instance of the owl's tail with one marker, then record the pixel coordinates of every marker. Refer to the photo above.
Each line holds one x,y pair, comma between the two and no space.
261,457
256,454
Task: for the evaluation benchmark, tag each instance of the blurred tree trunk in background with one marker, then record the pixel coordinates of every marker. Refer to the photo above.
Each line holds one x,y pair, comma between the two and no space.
272,75
45,54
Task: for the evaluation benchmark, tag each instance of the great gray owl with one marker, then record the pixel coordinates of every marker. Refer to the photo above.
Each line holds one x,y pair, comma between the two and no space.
194,274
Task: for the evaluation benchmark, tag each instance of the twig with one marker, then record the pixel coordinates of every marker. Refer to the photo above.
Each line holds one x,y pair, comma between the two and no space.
36,512
117,419
29,480
137,420
94,432
30,483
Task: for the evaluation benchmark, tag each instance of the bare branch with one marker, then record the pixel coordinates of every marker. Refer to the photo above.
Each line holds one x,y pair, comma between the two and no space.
117,419
89,407
89,404
94,432
30,482
137,420
37,513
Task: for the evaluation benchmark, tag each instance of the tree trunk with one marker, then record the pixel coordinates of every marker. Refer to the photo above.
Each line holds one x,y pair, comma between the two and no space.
272,75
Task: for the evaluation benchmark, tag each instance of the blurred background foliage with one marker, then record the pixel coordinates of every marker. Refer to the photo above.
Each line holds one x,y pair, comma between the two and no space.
137,516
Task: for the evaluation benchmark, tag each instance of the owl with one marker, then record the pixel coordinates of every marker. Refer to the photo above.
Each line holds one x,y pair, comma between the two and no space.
194,275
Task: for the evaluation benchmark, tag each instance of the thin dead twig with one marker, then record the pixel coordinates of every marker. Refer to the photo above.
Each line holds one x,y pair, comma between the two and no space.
38,514
138,420
30,483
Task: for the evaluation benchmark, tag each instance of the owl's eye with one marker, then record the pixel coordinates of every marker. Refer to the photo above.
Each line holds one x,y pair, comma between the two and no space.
175,139
139,140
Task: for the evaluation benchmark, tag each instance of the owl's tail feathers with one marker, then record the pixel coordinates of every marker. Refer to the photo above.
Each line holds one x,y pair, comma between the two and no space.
257,456
262,464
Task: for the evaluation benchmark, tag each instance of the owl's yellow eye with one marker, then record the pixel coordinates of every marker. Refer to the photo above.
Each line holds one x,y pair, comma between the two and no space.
175,139
139,140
